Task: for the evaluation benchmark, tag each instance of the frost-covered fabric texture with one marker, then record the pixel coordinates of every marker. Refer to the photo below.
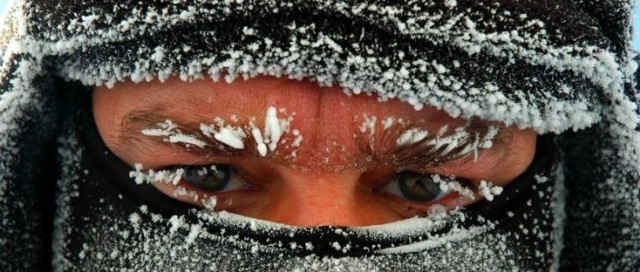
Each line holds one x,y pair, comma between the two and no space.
557,66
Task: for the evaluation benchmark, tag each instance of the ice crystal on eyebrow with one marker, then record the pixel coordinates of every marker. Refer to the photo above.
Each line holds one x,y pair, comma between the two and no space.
186,139
443,130
412,136
260,146
531,42
172,134
226,134
461,139
231,137
388,122
272,129
298,139
165,128
369,124
207,130
450,142
460,136
487,141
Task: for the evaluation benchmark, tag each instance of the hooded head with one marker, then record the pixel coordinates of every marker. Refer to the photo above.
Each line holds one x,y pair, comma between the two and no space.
562,69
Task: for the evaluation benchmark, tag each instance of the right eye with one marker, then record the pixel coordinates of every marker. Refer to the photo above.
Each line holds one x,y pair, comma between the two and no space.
214,178
415,187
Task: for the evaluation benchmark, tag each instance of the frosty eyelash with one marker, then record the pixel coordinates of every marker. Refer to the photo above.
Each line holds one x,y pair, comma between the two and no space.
451,184
172,176
175,175
447,184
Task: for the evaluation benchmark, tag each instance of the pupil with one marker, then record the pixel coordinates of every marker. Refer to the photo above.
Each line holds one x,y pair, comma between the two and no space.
418,187
208,178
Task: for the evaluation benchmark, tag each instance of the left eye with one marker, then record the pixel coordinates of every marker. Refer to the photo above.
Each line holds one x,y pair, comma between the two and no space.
214,178
415,187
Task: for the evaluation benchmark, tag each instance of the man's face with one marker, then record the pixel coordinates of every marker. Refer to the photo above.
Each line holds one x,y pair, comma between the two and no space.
295,153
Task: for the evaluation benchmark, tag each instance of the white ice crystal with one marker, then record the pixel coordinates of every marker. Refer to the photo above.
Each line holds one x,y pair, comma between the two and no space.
272,129
171,133
488,191
411,136
529,40
231,137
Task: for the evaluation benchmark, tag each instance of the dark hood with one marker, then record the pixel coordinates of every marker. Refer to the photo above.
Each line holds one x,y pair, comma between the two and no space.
559,67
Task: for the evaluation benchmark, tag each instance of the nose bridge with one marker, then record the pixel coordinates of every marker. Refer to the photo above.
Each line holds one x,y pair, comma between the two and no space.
315,200
328,129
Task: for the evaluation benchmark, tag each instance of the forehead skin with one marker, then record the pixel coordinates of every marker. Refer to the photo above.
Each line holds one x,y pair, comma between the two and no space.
328,120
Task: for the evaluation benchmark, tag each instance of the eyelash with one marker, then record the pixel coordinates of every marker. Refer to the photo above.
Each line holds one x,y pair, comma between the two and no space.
392,188
213,175
400,186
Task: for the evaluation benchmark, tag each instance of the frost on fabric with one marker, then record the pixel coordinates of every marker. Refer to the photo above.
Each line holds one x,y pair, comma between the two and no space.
69,153
21,104
329,58
146,241
559,212
179,235
537,74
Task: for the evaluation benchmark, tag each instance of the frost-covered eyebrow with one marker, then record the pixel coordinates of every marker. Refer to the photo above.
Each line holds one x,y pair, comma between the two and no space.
137,120
417,155
420,155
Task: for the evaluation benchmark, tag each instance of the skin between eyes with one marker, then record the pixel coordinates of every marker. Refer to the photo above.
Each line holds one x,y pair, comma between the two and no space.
304,190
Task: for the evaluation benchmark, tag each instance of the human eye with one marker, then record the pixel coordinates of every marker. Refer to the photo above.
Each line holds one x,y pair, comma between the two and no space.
421,191
213,178
415,187
213,186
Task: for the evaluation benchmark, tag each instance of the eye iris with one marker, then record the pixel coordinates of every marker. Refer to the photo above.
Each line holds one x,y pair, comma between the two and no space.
418,187
208,178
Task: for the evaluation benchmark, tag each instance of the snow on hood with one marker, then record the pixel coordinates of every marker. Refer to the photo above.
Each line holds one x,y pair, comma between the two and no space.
512,62
554,66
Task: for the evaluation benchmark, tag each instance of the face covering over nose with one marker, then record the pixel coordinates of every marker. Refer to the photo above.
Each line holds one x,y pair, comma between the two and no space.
563,68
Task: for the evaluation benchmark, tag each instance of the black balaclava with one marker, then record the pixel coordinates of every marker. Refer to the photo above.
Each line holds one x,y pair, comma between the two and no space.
561,67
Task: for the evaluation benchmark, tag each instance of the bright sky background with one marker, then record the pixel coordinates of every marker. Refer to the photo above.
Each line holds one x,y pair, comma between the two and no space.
636,27
636,22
